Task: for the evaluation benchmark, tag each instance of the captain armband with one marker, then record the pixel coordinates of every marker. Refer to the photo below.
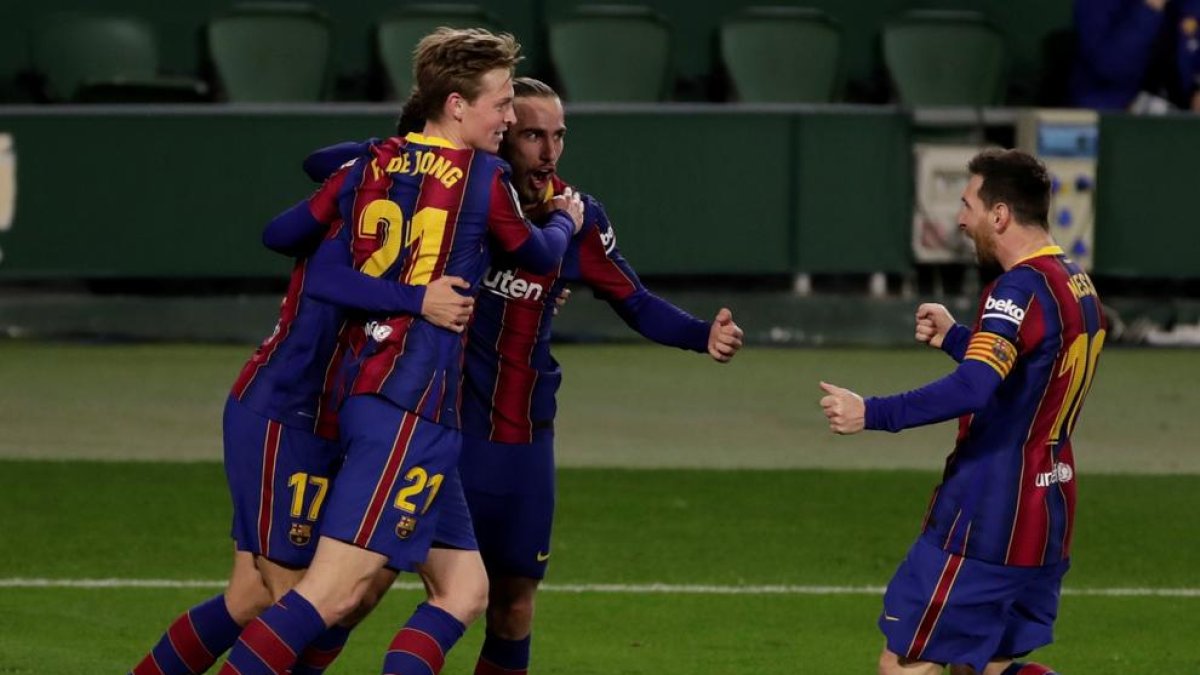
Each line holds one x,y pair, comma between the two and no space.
994,350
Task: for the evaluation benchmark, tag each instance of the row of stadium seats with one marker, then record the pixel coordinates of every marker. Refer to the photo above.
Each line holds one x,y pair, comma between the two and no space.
271,51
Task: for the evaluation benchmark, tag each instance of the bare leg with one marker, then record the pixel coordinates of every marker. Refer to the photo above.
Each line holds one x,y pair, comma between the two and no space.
456,582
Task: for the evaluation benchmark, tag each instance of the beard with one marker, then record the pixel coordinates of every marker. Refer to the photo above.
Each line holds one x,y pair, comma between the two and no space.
985,256
985,249
529,196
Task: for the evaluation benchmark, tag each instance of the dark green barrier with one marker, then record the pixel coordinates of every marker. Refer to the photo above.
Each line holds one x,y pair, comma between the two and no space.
159,194
1146,222
689,193
853,190
184,192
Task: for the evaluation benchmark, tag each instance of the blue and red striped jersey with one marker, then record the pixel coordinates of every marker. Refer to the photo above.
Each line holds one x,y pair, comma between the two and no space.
287,375
1008,489
411,210
511,376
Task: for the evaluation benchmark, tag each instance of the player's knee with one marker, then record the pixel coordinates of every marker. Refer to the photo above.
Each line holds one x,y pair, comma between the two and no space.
246,601
510,618
893,664
346,606
887,663
369,600
466,600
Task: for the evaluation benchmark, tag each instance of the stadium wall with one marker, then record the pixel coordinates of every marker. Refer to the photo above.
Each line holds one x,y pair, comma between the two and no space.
183,191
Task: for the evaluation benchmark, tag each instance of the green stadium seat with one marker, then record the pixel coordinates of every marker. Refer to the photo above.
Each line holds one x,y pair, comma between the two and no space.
944,58
782,54
611,53
271,52
75,52
396,36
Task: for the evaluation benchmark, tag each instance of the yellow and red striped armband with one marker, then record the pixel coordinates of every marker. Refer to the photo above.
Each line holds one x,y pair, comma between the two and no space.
994,350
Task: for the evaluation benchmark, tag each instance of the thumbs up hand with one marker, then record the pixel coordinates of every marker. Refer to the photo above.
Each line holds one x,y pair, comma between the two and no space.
843,408
724,338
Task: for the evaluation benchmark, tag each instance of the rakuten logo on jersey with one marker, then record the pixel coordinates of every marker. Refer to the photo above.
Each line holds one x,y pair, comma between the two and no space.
1062,473
1003,309
506,283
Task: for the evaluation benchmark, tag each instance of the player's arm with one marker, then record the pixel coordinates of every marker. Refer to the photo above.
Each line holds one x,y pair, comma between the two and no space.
323,163
611,278
989,357
966,390
297,232
333,278
537,249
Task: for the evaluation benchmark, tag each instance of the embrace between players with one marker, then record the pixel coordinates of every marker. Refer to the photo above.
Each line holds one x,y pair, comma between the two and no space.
400,417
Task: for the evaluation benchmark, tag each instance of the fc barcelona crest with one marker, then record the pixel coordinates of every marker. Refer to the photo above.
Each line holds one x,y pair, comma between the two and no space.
300,534
999,351
405,527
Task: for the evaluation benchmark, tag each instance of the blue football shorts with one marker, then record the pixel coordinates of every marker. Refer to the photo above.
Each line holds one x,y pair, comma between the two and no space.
948,609
510,490
279,478
397,492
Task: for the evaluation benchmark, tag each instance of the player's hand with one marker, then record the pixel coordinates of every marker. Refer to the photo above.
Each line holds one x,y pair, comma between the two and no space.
724,338
933,322
444,306
561,299
845,410
571,203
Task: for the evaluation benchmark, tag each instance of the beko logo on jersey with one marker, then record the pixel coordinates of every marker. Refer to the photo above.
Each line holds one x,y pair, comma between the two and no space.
1003,309
1062,473
506,283
377,331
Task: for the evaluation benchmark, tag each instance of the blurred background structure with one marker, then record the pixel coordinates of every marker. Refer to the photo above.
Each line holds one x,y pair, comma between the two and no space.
801,161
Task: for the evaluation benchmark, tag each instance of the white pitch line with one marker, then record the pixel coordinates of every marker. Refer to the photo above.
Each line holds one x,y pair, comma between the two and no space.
634,589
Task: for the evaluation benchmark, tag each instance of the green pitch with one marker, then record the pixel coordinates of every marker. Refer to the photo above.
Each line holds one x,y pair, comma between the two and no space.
806,516
726,529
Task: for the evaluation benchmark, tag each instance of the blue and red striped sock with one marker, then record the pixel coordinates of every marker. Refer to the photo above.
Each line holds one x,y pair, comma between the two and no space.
321,652
1028,669
503,657
270,644
193,642
420,647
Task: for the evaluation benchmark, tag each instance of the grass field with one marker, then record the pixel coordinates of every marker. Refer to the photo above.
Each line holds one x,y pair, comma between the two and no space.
774,567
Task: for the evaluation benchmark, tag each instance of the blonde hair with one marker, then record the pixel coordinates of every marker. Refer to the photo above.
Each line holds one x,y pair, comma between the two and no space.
454,60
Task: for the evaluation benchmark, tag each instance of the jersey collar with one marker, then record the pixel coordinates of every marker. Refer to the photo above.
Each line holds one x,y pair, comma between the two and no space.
1052,249
435,141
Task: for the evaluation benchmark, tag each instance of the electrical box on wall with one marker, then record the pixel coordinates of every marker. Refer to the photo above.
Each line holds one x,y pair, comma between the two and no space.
1067,141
